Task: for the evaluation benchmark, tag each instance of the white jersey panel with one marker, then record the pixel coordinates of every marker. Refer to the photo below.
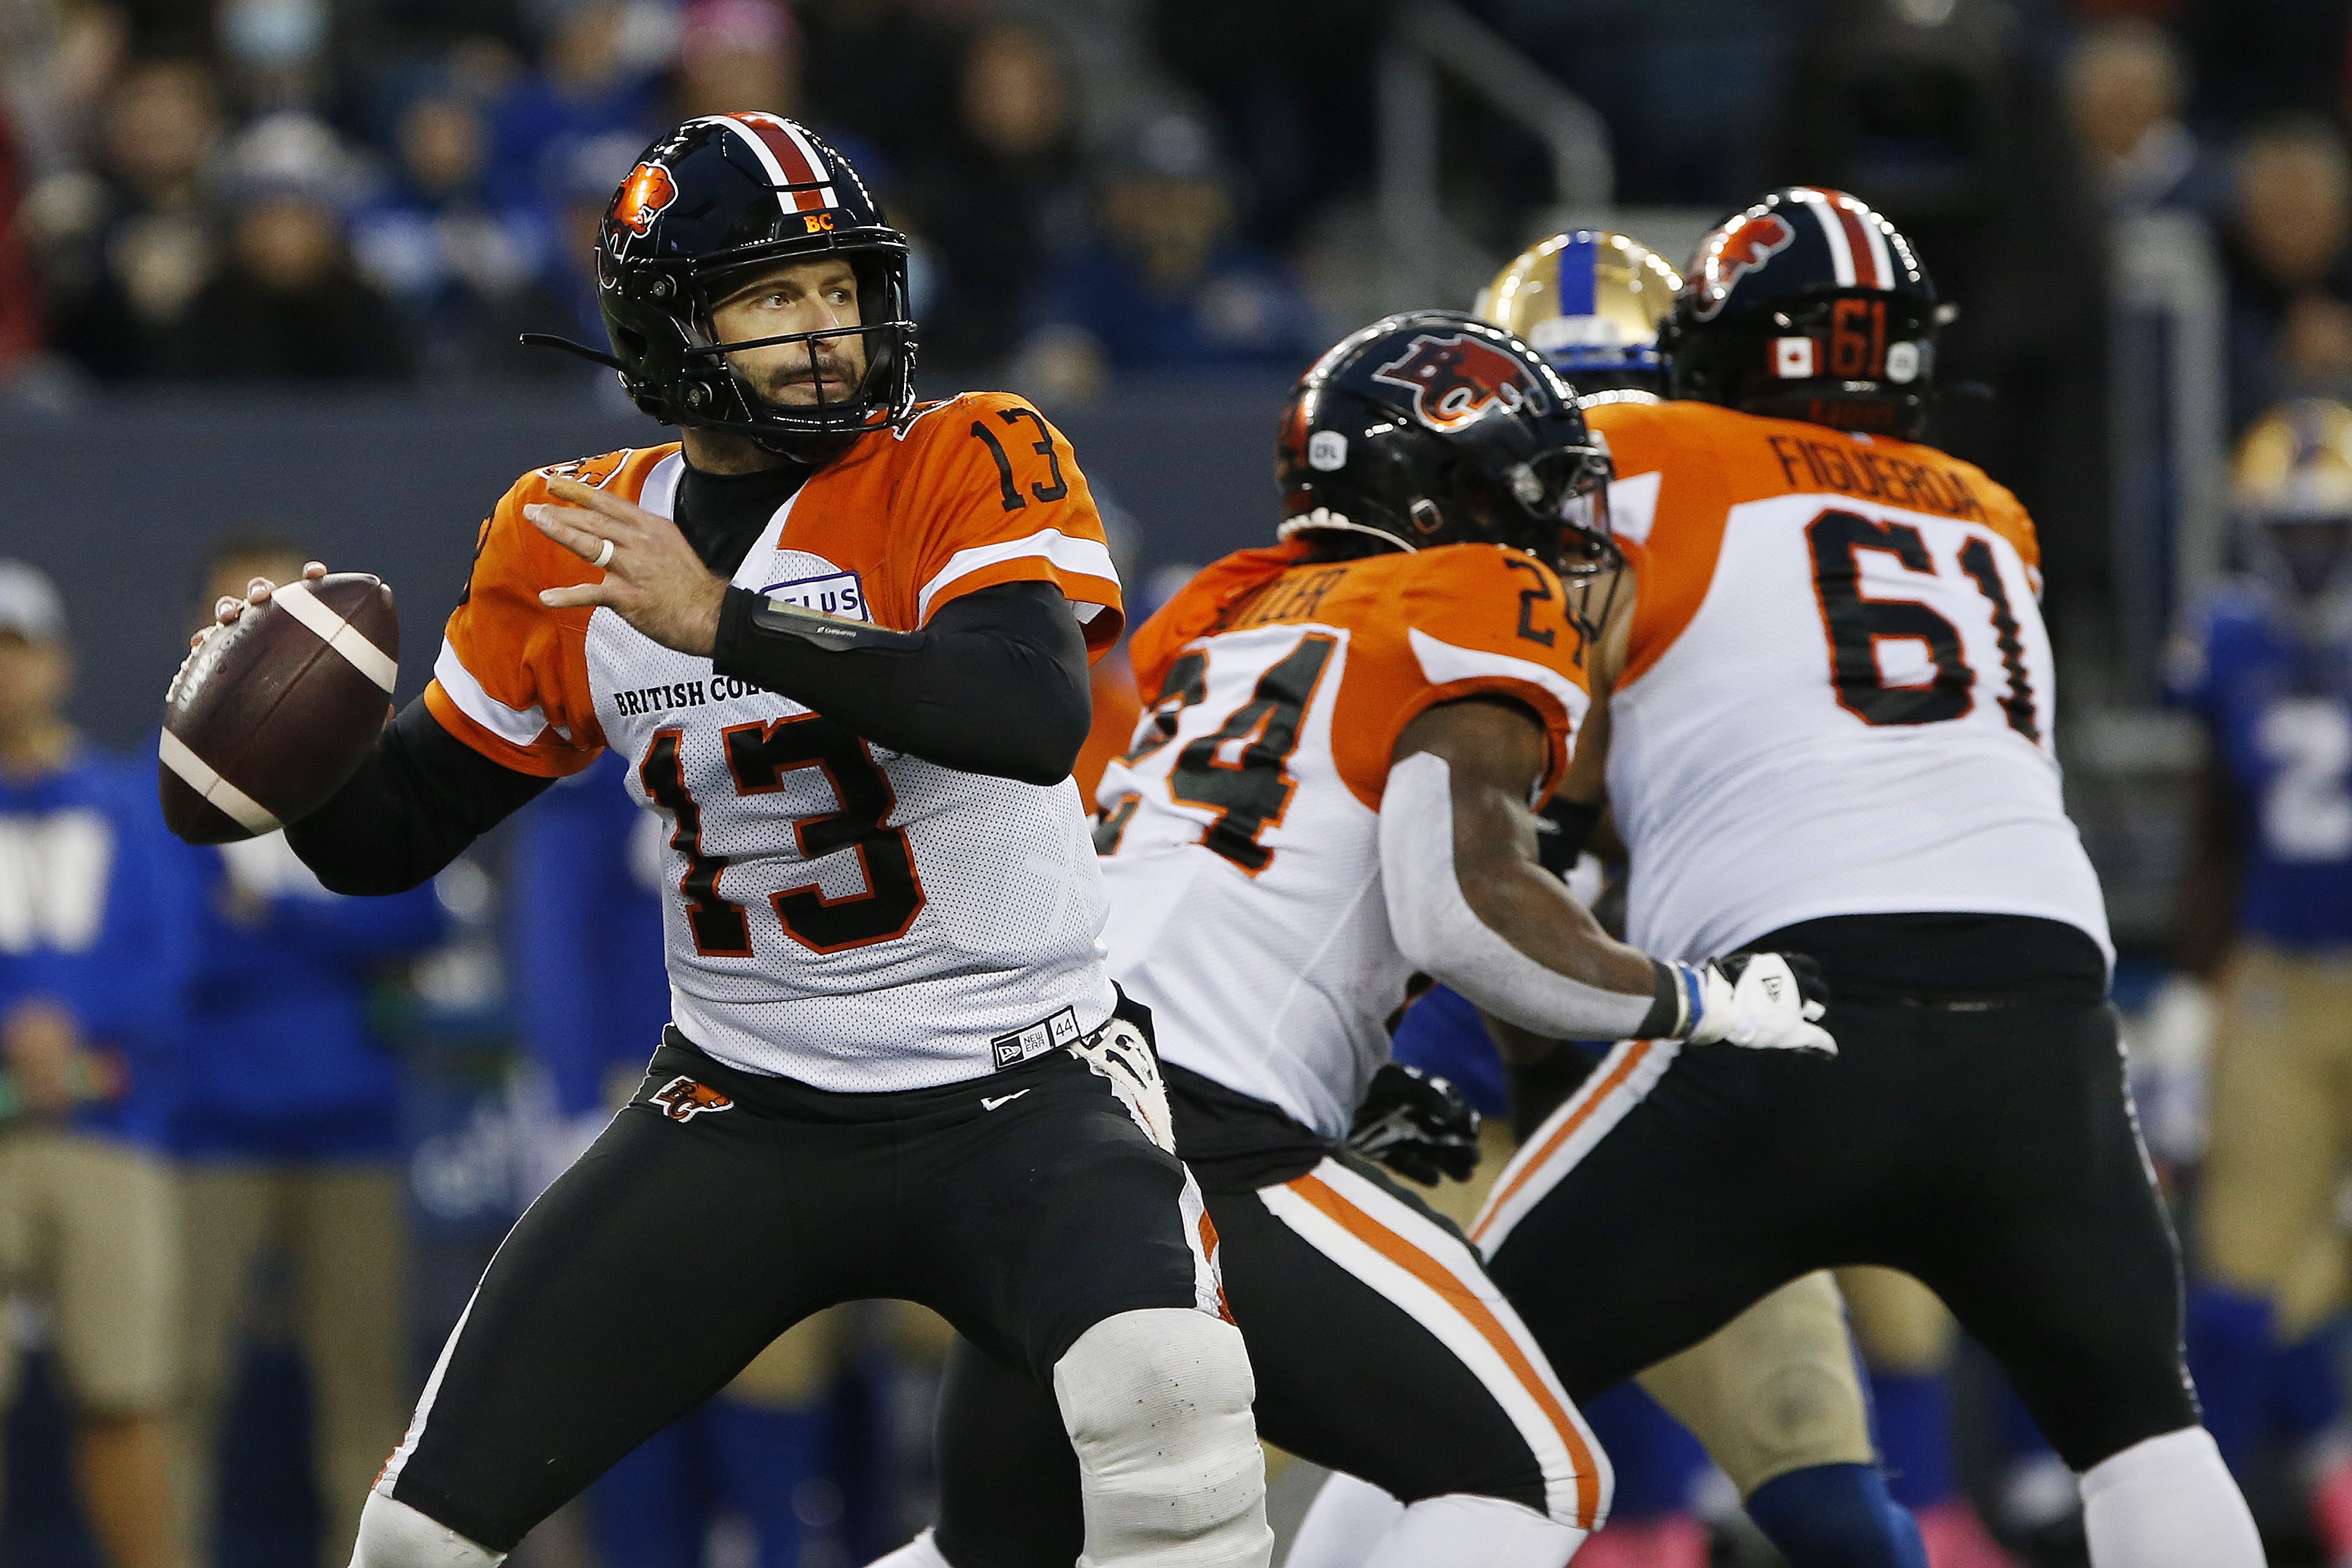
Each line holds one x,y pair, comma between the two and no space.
937,912
1751,798
1278,983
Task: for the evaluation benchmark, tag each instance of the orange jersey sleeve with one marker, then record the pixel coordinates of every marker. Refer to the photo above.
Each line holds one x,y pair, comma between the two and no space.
511,680
1001,500
1468,620
1117,709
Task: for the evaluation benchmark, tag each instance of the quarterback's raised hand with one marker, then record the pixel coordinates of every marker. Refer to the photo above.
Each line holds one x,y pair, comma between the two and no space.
225,610
653,579
1766,1001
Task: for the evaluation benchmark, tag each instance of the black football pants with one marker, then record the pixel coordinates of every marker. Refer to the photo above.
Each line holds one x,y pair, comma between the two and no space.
1379,1349
721,1207
1990,1151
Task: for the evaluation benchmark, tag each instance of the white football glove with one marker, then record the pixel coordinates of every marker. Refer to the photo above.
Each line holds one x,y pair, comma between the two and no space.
1765,1001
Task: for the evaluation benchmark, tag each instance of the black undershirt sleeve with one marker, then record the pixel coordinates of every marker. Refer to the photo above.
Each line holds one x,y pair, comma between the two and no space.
996,684
421,797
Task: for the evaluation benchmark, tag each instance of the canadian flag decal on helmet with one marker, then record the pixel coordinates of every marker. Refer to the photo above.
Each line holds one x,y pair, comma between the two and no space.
1738,248
1455,379
642,196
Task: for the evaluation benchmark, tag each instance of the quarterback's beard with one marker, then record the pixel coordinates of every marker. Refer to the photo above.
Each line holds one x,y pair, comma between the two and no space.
790,386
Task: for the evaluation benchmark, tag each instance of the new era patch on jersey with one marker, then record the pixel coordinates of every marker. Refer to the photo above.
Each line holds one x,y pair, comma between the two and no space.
1046,1034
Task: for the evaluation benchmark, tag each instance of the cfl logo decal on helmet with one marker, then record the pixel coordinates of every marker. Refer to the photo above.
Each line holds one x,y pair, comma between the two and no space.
683,1100
1737,249
642,196
1455,379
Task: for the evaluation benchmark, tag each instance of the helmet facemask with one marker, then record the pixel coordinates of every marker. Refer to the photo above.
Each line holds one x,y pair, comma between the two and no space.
710,202
734,401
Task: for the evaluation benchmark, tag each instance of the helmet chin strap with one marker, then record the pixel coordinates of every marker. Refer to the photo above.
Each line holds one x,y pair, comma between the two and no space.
1324,520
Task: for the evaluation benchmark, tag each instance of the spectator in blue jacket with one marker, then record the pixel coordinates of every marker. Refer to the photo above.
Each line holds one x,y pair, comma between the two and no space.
286,1126
96,923
589,880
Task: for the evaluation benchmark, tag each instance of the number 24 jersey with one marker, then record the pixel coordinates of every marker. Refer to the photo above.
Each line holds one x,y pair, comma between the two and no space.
1241,834
837,913
1837,693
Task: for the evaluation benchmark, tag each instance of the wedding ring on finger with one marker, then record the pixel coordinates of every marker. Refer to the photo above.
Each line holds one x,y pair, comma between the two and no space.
603,556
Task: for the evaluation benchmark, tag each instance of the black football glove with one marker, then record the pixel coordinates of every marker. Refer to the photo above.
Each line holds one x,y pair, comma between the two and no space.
1421,1127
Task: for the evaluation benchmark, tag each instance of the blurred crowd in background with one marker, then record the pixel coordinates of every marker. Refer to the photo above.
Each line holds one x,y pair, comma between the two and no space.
347,1102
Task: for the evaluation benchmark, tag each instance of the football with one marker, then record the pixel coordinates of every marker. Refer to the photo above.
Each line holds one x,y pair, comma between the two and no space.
268,716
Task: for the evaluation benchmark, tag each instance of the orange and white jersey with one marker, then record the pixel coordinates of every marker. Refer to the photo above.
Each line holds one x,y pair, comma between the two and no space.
842,914
1837,693
1241,834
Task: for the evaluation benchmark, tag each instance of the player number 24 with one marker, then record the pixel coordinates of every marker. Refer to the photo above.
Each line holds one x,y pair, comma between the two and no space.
1243,771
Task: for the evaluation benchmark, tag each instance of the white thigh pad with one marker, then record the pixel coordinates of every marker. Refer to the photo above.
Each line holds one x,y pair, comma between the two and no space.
1158,1402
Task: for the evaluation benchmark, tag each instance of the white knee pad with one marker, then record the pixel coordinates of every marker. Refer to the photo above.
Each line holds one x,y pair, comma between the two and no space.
923,1552
394,1535
1157,1402
1459,1531
2167,1502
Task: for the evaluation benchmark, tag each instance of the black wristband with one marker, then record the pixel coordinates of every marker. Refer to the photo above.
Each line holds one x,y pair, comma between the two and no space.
1667,1018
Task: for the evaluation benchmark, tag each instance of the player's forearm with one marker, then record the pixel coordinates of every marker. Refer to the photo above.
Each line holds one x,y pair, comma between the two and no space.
996,684
419,798
1506,935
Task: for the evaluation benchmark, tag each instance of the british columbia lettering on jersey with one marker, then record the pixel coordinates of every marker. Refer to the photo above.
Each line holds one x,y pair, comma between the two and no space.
681,694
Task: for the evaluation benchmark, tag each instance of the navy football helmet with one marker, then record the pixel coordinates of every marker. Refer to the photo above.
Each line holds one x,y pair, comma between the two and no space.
721,195
1433,427
1809,305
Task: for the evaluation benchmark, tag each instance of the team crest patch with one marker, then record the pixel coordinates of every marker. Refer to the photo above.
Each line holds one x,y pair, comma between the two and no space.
1458,379
648,189
1738,249
683,1100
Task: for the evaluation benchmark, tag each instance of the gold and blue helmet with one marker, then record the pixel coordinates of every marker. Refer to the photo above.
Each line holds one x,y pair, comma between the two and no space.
1592,302
2291,488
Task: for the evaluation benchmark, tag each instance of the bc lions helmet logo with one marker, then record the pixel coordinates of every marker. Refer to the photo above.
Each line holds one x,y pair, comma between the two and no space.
683,1100
1738,248
1456,380
643,195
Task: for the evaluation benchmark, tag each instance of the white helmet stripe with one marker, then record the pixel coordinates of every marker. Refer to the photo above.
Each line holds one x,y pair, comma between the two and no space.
1878,251
815,163
760,150
1841,251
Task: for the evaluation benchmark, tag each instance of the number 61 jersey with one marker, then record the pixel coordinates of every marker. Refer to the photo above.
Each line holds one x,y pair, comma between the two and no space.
1837,690
1241,834
843,914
